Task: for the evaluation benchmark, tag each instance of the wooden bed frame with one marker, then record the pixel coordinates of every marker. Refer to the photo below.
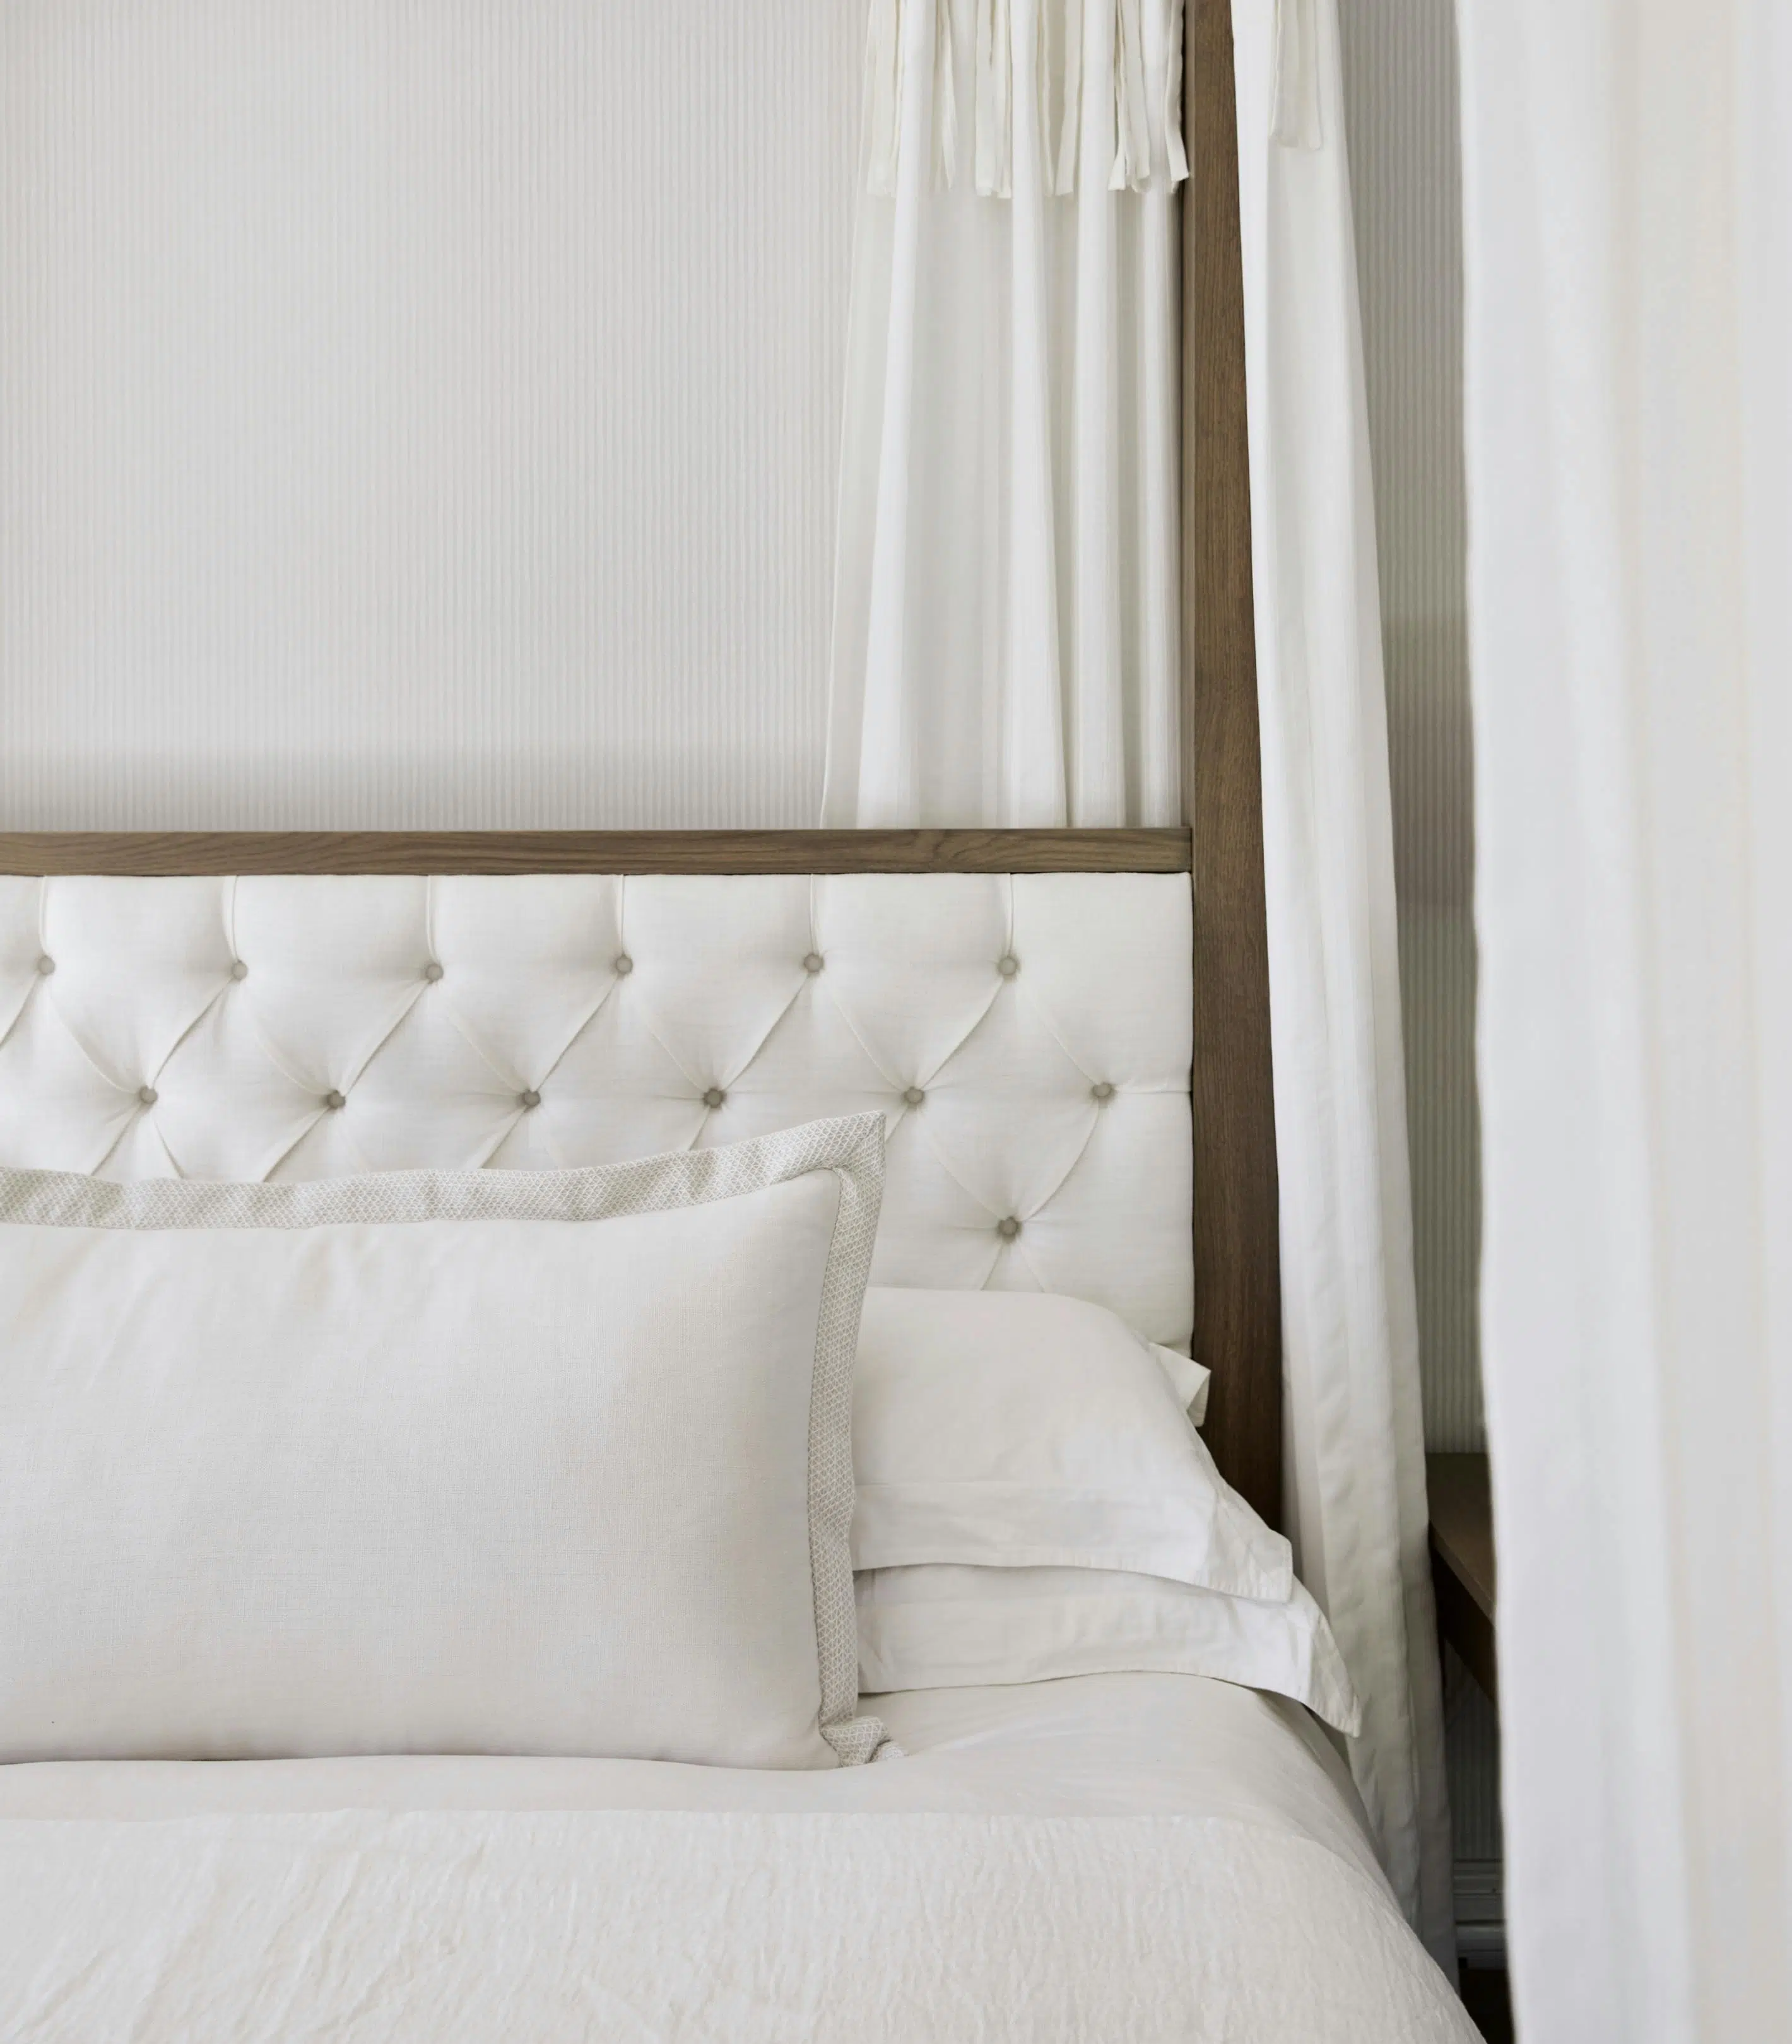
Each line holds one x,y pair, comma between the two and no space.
1238,1321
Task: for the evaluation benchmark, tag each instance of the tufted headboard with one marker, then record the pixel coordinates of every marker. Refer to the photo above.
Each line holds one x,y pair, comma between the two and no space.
1025,1036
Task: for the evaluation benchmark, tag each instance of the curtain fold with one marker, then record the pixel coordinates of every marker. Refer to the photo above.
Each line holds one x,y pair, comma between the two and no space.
1627,183
1005,634
1355,1442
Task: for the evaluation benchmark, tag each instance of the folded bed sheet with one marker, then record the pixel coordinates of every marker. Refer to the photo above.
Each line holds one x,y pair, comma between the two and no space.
1131,1856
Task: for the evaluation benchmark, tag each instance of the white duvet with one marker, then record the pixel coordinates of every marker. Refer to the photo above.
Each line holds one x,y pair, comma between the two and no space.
1119,1857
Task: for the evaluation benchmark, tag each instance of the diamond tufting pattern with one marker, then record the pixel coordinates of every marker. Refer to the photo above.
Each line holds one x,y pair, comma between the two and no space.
1026,1039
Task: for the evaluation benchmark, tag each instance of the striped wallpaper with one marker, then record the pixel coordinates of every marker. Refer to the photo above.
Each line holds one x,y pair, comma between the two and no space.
1400,78
419,412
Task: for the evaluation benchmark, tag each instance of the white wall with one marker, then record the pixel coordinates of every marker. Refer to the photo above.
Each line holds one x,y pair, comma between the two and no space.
419,412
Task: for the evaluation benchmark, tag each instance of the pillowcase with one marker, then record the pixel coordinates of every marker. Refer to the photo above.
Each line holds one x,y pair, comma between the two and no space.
1022,1430
942,1627
443,1461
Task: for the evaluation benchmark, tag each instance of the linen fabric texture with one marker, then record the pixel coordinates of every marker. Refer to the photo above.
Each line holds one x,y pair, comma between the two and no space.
437,1461
942,1626
1147,1857
1022,1430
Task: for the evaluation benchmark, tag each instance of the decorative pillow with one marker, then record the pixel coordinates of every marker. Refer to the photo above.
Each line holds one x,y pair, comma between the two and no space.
932,1628
489,1461
1019,1429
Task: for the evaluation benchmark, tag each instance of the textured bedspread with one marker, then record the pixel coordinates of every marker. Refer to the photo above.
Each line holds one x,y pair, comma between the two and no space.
1252,1920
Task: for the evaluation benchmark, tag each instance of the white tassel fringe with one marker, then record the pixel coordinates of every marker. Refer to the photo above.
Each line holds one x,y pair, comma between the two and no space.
893,46
1148,38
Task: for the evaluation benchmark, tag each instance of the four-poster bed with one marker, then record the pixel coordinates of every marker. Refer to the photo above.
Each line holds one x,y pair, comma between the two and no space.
1067,1033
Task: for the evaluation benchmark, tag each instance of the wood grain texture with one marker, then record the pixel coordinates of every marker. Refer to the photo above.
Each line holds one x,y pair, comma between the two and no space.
1237,1274
176,852
1463,1624
1462,1524
1464,1576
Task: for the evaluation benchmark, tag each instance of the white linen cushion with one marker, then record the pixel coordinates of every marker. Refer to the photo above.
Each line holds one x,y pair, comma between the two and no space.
1016,1430
950,1627
550,1462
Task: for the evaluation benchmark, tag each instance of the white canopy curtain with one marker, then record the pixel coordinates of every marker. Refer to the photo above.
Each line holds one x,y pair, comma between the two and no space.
1005,638
1628,245
1356,1430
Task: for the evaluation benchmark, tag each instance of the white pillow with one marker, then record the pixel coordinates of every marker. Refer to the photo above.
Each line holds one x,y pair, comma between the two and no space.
488,1462
945,1627
1019,1429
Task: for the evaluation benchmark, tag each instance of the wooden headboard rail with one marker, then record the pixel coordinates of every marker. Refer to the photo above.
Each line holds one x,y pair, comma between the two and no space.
173,852
1238,1327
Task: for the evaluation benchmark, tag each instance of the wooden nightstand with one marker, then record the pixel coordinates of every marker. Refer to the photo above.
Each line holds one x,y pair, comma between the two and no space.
1462,1560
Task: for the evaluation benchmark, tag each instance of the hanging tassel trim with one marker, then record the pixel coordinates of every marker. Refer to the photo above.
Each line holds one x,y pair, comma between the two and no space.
1173,143
945,98
895,39
995,107
1038,48
1131,151
1070,121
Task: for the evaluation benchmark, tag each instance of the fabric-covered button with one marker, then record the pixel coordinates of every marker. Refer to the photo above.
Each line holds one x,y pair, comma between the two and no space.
46,965
813,963
1101,1090
531,1098
147,1095
624,964
1008,967
914,1096
1008,1229
433,970
239,970
714,1097
332,1098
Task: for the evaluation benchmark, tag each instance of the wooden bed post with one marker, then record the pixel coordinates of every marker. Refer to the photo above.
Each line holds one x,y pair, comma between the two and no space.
1237,1273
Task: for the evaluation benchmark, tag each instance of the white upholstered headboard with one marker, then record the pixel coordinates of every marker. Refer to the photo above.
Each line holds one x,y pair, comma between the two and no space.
1027,1037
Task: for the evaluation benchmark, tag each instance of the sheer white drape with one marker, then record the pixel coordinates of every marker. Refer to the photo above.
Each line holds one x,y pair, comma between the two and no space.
1628,245
1356,1430
1005,641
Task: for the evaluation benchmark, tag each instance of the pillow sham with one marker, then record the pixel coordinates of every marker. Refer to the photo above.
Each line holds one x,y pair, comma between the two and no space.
1021,1429
445,1462
948,1627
